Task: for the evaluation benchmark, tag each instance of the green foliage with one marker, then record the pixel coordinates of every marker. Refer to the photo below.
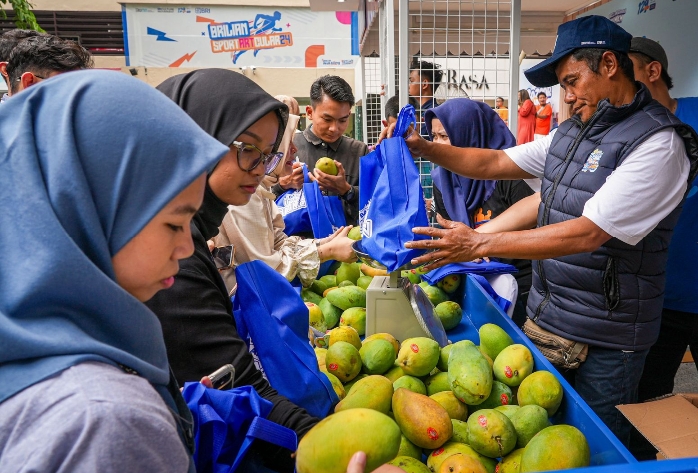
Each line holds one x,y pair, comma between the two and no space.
24,17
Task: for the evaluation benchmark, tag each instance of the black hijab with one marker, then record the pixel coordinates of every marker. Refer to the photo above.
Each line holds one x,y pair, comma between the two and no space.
224,104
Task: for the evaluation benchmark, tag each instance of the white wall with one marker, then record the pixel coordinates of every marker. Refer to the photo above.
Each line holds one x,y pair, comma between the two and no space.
673,24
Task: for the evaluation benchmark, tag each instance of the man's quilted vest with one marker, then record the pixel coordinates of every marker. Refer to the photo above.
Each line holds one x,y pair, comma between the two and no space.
611,297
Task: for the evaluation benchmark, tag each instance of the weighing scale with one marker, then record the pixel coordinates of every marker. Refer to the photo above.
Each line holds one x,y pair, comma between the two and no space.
396,306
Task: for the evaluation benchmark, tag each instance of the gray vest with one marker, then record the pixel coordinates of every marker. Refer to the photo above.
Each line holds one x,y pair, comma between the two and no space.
611,297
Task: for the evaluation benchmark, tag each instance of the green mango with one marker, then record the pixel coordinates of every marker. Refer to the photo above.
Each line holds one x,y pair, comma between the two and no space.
394,373
408,449
500,395
336,383
418,356
460,431
343,360
318,287
354,317
493,339
329,280
377,356
440,455
345,284
354,233
455,408
509,410
543,389
347,297
435,295
450,283
528,421
409,464
511,463
331,313
309,296
442,365
350,384
348,272
558,447
410,382
491,433
372,392
346,433
411,275
449,313
364,281
469,374
513,364
437,383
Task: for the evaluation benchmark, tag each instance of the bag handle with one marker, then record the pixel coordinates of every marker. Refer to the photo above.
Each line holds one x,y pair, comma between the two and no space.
268,431
405,118
306,178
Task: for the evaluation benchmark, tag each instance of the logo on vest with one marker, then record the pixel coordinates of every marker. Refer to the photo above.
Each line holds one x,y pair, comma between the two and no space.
292,201
592,162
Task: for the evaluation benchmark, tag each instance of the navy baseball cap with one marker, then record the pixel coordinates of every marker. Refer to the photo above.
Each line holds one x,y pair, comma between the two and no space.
587,32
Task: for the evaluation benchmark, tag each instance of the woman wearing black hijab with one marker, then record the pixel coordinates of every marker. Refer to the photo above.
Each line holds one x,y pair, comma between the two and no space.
196,313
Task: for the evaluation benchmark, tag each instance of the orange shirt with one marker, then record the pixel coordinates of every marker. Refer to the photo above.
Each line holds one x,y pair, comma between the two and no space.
543,124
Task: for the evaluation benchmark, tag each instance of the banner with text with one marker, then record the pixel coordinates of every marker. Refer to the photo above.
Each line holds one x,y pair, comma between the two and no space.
230,36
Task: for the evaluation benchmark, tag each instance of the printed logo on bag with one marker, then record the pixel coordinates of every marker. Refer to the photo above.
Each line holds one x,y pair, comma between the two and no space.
365,224
592,162
292,202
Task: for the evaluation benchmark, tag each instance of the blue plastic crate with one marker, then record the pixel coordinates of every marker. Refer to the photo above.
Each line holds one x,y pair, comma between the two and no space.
606,449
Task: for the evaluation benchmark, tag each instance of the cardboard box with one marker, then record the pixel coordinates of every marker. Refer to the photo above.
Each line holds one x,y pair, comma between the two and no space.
670,424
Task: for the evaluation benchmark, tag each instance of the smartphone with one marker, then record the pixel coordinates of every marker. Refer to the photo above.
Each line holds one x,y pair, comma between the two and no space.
223,377
223,257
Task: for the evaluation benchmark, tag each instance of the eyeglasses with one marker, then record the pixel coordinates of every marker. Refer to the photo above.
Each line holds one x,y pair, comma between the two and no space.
249,157
223,257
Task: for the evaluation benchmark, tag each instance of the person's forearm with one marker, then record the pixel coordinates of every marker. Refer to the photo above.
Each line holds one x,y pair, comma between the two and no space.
522,215
579,235
475,163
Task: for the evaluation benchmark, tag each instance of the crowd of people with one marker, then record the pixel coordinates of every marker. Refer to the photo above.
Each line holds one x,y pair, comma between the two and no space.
117,195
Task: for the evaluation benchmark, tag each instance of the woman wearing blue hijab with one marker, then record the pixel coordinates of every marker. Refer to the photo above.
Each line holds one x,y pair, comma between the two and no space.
100,176
467,123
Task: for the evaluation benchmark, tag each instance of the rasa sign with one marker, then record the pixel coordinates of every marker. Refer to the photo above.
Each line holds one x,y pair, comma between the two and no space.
226,36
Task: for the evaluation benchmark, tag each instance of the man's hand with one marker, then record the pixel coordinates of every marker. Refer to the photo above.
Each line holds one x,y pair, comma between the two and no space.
415,143
293,180
456,243
329,183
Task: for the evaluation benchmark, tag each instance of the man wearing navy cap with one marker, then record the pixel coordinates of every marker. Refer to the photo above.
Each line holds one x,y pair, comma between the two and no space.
614,178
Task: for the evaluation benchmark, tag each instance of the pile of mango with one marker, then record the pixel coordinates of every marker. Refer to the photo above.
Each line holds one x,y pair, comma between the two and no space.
463,408
339,299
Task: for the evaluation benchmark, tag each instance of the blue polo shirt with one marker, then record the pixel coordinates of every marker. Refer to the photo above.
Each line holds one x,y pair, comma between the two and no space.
682,266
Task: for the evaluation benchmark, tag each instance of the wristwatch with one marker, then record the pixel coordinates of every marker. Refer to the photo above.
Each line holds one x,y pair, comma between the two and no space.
349,196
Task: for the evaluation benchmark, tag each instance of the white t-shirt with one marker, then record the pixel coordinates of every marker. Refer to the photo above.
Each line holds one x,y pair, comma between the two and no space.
639,194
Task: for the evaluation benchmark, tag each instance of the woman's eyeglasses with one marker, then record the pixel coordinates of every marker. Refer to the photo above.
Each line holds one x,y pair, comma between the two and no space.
249,157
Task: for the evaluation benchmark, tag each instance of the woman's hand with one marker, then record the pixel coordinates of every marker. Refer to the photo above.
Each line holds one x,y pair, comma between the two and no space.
338,248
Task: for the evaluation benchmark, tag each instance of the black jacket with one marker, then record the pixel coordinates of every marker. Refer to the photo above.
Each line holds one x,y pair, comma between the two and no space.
200,333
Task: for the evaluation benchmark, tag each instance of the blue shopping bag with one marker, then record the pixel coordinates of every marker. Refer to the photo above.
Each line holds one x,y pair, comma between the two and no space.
269,312
391,201
308,210
227,422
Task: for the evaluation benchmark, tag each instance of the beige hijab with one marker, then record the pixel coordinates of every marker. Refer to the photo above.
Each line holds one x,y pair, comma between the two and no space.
284,147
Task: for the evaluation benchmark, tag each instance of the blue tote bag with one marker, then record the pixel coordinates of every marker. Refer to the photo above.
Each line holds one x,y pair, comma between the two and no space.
269,312
391,200
227,422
